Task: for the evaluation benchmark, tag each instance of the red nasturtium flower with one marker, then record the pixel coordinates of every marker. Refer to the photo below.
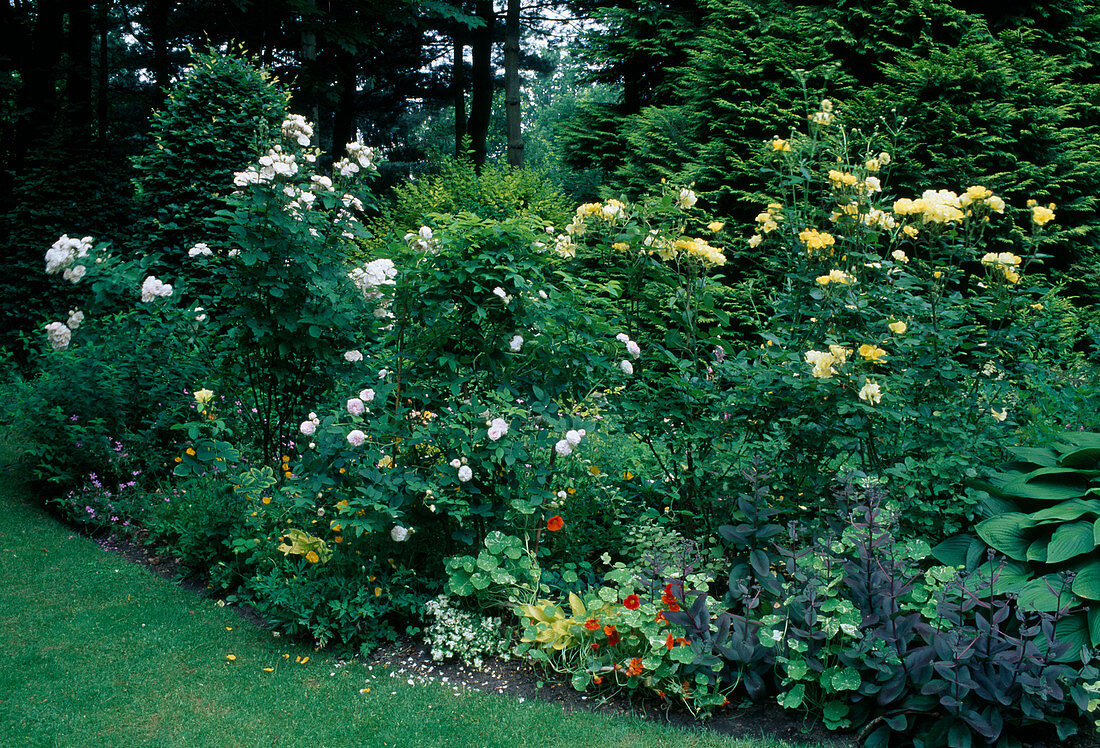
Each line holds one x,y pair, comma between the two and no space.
668,642
592,624
636,667
555,523
669,599
632,602
597,679
660,618
612,635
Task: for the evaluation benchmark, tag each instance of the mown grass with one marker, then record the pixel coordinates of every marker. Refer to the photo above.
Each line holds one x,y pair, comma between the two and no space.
97,651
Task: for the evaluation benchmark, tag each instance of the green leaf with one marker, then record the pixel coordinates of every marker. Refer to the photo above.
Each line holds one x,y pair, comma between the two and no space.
1069,541
1036,455
952,552
1067,510
1044,594
1086,583
847,680
793,698
1007,533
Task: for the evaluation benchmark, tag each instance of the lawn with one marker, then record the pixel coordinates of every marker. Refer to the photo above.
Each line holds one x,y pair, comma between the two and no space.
98,651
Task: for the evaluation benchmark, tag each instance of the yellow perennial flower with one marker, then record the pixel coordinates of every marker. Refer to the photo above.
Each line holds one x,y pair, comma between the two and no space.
620,246
835,276
822,363
817,242
780,145
203,396
897,327
715,226
871,392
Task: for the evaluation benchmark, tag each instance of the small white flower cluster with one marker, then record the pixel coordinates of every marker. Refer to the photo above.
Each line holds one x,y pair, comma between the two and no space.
632,349
503,295
297,128
152,288
459,633
686,199
358,156
465,473
516,343
353,357
200,250
76,318
423,241
565,446
309,428
63,254
321,182
59,335
498,427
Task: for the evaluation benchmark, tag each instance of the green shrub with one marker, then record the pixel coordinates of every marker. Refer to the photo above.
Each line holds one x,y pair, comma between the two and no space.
215,122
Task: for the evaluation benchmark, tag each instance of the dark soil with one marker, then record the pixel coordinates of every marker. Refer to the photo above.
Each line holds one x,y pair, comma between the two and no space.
521,680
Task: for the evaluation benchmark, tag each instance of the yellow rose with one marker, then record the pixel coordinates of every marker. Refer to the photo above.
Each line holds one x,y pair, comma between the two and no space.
203,396
872,353
1041,215
898,327
715,226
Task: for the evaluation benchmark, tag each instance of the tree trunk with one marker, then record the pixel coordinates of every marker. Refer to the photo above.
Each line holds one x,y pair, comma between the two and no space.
343,120
103,77
458,92
481,83
78,84
38,94
309,65
512,110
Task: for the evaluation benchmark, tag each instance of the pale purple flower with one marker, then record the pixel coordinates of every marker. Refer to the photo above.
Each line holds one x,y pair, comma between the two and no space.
366,395
456,463
356,407
498,427
633,349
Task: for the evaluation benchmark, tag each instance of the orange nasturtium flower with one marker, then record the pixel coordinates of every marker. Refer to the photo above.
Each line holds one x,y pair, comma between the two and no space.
592,624
636,667
632,602
555,523
612,635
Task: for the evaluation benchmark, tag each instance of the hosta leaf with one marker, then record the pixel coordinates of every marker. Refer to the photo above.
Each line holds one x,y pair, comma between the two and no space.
952,552
1007,533
1083,458
1037,551
1086,583
576,606
1067,510
1074,631
1094,625
1045,594
1069,541
1081,440
1036,455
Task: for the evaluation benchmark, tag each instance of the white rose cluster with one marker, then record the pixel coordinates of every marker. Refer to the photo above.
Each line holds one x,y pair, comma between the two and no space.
353,357
423,241
59,335
458,633
498,427
370,278
153,288
399,534
298,129
565,446
62,257
200,250
359,156
309,427
276,163
76,318
516,343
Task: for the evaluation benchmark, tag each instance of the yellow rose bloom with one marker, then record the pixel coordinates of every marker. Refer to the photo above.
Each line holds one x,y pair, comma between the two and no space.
898,327
780,145
872,353
203,396
715,226
755,239
911,231
620,246
1041,215
871,392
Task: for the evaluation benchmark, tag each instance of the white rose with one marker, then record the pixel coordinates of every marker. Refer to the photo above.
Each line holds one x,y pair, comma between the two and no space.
308,428
465,473
626,366
399,533
356,407
356,437
353,356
